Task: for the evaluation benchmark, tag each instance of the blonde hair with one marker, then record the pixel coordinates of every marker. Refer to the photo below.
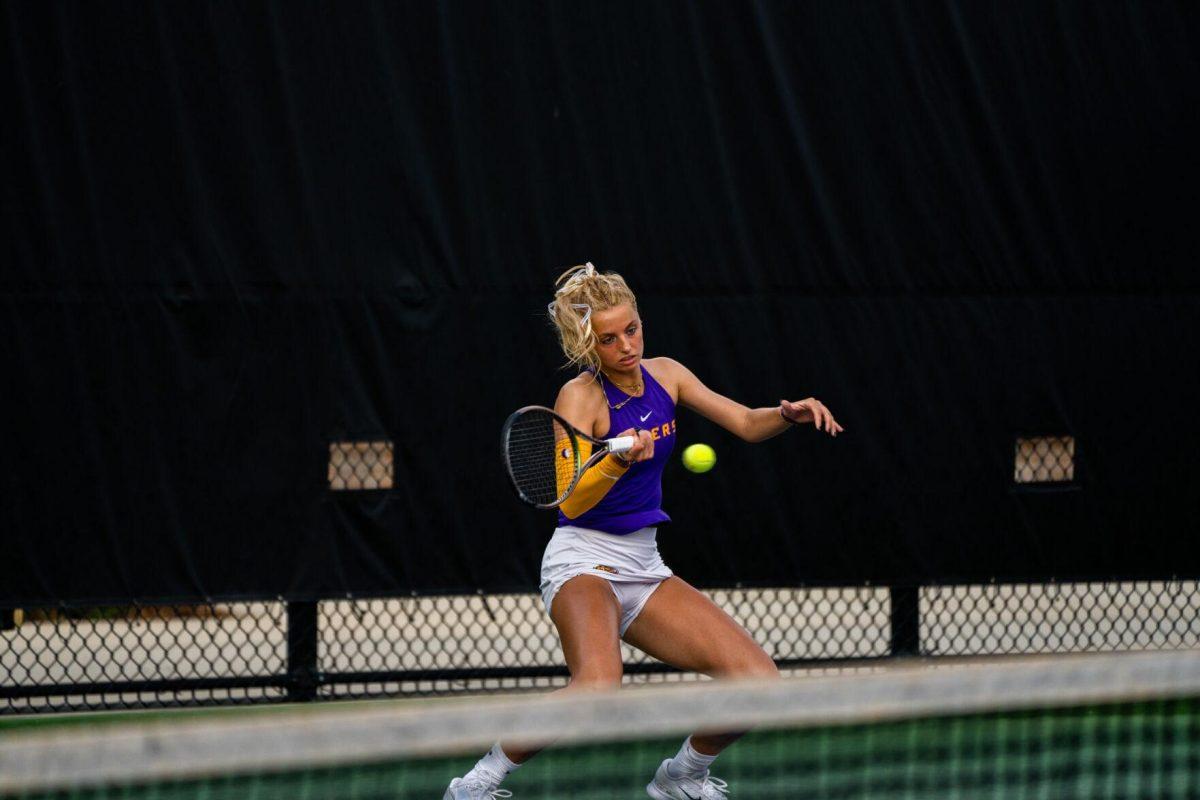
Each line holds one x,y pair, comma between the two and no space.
581,292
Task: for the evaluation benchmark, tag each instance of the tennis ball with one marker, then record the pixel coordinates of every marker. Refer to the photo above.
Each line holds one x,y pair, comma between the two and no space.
699,457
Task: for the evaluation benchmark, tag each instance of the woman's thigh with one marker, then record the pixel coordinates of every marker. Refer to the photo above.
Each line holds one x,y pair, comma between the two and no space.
683,627
587,616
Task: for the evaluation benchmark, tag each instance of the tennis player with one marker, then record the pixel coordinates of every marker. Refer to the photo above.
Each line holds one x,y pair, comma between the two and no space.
603,579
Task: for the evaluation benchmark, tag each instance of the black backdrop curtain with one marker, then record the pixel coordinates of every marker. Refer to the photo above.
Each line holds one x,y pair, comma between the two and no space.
235,232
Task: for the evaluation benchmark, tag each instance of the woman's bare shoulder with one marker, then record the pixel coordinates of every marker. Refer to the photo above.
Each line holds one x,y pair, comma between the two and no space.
663,364
583,382
667,371
580,391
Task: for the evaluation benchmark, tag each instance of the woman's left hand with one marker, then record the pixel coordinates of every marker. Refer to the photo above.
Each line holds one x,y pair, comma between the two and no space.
810,410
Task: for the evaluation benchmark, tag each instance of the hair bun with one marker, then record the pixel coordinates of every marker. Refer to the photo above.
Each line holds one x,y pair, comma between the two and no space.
571,279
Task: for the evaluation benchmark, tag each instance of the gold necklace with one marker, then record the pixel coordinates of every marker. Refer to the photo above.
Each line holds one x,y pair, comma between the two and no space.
638,388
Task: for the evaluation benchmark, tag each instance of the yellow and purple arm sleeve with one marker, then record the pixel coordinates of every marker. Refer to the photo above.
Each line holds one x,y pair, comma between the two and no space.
593,484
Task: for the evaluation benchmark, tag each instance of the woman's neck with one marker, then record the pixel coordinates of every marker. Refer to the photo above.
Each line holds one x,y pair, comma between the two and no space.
629,381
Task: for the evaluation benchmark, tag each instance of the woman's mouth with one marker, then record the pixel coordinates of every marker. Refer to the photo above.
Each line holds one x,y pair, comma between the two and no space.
627,360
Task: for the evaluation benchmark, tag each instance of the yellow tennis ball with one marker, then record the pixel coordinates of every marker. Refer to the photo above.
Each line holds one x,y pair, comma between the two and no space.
699,457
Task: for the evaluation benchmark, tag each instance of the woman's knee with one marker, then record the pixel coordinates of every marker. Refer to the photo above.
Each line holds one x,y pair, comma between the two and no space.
766,669
751,664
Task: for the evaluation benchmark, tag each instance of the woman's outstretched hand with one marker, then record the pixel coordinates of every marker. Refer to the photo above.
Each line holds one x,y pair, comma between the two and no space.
810,410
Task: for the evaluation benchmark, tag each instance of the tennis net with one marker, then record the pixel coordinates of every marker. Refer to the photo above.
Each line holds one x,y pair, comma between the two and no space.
1111,726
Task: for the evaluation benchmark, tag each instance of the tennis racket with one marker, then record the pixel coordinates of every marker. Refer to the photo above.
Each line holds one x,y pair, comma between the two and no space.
545,455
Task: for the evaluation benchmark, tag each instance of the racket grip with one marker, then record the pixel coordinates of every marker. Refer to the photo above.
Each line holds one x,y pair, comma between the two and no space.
621,444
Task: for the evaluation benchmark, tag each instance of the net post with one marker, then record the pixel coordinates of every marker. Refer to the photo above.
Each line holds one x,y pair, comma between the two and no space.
905,620
302,675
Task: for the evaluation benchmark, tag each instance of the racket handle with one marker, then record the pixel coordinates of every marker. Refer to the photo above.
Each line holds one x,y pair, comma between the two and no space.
621,444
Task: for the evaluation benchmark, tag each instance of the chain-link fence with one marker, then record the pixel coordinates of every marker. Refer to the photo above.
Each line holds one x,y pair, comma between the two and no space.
67,659
1044,460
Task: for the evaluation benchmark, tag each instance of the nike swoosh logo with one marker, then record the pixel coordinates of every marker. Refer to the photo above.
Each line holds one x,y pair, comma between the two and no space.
643,419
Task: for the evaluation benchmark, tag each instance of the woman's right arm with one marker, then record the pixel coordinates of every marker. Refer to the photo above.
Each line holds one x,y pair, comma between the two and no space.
578,404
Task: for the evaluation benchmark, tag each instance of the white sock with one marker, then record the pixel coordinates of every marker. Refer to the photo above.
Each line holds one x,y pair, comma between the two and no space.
688,762
492,768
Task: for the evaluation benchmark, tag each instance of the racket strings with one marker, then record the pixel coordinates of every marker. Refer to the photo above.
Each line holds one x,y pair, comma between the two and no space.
541,458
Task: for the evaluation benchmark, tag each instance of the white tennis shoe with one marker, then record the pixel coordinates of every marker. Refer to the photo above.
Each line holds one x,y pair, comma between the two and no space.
475,790
664,787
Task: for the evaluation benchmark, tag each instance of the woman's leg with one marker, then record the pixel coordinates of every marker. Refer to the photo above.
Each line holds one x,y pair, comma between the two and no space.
682,627
586,613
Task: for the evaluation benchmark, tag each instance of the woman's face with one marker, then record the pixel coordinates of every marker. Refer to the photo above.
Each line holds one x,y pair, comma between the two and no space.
618,338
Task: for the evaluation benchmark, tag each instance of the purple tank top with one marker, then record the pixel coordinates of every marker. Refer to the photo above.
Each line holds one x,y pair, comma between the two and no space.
635,500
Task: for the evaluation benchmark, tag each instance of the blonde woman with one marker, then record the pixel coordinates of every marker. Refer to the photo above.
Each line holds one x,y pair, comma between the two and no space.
602,577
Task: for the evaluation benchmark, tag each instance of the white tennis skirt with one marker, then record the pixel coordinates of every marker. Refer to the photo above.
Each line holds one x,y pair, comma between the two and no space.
631,565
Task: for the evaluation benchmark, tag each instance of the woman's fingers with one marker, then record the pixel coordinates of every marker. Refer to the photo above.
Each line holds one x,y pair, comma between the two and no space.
818,414
633,452
647,446
834,427
643,445
830,424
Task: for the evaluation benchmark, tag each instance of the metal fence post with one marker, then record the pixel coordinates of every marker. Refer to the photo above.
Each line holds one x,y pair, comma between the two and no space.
905,620
302,674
